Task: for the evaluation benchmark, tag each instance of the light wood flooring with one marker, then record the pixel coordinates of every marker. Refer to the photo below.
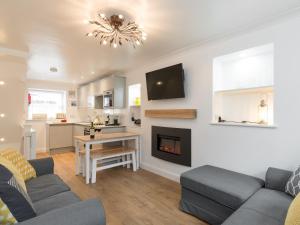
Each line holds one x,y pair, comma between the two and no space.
129,198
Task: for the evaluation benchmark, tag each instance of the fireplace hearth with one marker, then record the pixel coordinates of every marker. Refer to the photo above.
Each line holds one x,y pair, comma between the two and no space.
172,144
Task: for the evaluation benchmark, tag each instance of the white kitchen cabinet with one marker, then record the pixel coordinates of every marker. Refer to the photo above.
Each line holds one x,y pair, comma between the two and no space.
60,136
87,93
107,83
83,92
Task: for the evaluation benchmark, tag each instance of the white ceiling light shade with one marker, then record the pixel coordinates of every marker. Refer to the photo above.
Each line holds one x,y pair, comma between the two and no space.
2,115
2,139
2,82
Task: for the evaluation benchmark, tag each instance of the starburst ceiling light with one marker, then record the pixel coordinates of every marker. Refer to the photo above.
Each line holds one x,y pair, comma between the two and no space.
115,31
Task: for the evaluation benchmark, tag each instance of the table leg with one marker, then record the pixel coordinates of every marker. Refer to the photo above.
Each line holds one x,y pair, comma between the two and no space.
77,163
87,163
137,150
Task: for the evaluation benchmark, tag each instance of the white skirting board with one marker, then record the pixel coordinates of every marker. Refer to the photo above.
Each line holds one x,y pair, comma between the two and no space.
163,173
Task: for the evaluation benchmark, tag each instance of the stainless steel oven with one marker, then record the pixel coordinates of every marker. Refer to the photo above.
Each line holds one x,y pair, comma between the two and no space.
108,99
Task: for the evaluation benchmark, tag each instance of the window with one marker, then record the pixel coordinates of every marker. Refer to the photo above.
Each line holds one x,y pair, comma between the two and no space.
46,103
243,87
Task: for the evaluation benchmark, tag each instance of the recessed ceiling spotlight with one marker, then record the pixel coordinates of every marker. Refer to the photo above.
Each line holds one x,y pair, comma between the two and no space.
2,115
2,82
53,69
121,16
2,139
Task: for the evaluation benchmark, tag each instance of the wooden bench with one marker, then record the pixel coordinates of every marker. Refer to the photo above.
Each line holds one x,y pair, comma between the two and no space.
105,158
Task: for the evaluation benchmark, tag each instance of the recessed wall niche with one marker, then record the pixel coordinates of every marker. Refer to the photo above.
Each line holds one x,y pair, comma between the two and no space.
243,87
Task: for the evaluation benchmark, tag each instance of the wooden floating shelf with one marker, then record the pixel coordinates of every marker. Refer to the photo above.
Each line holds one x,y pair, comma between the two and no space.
172,113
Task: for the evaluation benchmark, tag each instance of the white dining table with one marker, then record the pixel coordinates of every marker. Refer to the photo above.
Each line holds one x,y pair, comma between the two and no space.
102,138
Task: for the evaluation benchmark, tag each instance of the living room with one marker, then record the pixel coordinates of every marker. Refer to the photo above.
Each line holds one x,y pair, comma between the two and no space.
200,128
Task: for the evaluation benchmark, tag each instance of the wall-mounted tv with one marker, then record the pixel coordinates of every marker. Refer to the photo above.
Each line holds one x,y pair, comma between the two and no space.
166,83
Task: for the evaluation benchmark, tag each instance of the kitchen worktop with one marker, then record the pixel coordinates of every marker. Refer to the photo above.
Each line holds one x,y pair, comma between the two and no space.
86,124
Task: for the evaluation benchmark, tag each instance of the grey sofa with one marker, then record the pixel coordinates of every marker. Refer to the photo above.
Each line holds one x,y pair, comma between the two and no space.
220,196
55,204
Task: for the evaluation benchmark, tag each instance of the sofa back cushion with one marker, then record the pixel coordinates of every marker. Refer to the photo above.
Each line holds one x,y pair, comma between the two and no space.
293,184
11,167
14,196
276,179
293,215
18,160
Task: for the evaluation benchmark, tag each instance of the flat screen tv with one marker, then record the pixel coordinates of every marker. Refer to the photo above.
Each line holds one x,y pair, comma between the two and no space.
166,83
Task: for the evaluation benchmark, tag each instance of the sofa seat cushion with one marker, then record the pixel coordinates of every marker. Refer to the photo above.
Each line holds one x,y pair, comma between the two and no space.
55,202
45,186
250,217
267,207
226,187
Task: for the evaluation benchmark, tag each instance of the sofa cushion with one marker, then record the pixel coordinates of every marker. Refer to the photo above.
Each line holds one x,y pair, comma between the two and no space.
6,217
267,207
293,184
226,187
14,196
45,186
55,202
250,217
293,215
19,161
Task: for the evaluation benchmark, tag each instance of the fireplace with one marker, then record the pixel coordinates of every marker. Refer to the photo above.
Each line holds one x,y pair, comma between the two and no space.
172,144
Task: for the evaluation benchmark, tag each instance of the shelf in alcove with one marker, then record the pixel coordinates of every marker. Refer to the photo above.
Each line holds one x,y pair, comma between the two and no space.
264,89
244,125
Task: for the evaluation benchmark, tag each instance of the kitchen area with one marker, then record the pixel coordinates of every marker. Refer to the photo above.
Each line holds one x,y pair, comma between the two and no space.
101,102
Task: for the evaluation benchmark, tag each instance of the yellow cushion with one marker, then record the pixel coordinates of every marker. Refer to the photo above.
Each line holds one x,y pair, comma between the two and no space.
20,163
8,164
5,215
293,215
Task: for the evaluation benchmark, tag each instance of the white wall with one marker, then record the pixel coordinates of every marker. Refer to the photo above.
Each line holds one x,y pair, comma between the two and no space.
40,126
244,149
12,72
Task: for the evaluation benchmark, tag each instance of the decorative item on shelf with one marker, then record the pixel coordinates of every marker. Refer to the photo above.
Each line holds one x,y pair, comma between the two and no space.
73,103
61,116
263,112
115,31
137,101
72,94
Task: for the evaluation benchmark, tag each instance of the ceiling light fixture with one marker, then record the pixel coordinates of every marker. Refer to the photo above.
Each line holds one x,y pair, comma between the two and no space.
2,115
115,31
2,82
2,139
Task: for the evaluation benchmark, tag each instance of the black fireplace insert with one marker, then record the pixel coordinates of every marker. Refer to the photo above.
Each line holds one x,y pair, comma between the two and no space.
172,144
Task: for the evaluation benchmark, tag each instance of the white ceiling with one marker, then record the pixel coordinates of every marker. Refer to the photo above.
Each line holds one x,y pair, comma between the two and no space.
53,32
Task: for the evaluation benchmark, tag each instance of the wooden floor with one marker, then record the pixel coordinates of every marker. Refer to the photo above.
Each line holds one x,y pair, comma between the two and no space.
129,198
